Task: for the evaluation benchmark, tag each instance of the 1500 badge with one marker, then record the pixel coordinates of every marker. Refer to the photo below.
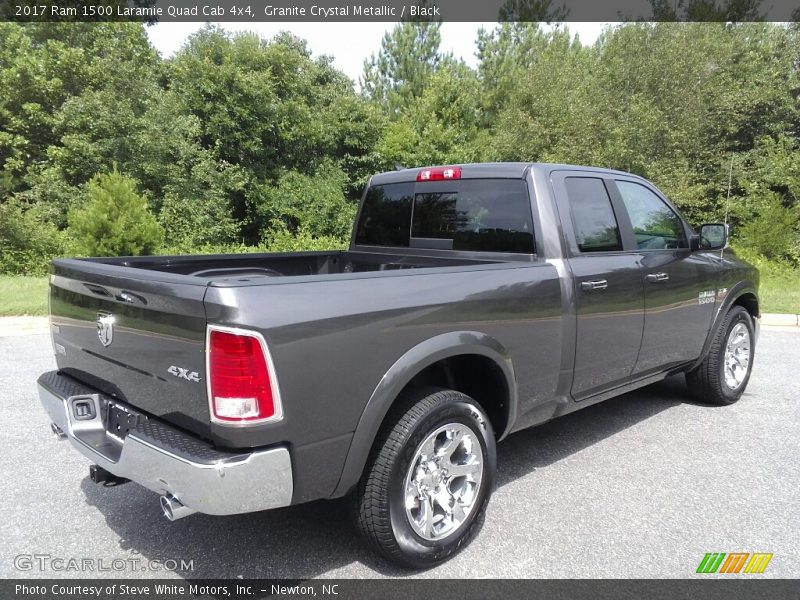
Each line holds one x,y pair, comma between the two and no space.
706,297
184,373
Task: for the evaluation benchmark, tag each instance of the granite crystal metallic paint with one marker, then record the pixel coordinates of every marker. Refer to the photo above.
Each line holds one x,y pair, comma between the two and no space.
347,331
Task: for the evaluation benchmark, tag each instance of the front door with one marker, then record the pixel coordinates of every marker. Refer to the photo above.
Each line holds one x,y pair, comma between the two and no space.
679,285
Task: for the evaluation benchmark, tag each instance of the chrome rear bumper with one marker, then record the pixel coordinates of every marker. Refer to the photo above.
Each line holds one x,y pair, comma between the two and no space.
167,460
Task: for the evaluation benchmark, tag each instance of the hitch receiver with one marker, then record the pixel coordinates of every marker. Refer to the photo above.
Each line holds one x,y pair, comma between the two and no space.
99,475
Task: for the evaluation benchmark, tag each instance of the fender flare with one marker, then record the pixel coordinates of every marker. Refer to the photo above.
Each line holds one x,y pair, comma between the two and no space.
738,290
401,373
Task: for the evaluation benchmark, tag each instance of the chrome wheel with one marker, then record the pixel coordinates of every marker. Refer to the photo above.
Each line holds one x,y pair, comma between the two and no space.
443,482
737,356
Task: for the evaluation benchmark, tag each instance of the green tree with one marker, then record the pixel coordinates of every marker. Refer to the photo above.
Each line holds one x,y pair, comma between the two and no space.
543,95
313,203
186,184
115,221
265,107
670,101
399,72
27,240
505,55
699,94
240,140
72,96
774,231
442,126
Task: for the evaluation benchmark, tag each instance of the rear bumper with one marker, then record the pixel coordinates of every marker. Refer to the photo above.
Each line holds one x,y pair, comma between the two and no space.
167,460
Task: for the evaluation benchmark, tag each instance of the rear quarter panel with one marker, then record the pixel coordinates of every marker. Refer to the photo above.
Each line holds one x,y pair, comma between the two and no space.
333,341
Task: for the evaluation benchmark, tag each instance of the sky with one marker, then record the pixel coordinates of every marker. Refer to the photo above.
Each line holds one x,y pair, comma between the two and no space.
349,43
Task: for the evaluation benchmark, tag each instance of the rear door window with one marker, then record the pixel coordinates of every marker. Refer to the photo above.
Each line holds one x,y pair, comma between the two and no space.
593,218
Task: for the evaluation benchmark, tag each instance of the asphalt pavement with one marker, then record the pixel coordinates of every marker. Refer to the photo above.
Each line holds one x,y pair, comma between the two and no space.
639,486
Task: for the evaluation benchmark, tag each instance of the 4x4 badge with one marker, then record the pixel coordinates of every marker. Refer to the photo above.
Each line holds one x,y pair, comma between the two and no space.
105,328
184,373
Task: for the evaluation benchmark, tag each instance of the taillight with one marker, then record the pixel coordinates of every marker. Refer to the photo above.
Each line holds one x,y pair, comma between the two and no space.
241,383
439,174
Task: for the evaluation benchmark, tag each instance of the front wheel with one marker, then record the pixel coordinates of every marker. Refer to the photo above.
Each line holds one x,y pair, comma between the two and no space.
722,377
429,479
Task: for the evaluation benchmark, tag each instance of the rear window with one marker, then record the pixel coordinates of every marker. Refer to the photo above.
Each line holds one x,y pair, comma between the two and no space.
482,215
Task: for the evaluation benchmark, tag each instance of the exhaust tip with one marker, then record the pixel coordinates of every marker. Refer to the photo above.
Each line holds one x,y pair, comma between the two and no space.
173,509
58,433
166,508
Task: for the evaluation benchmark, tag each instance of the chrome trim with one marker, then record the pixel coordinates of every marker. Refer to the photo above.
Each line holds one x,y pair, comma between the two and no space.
273,379
105,328
599,284
244,483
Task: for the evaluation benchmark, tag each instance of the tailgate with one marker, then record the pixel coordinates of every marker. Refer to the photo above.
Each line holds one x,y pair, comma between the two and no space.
133,334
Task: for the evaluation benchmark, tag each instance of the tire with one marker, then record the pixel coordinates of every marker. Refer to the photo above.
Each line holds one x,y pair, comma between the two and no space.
712,382
426,425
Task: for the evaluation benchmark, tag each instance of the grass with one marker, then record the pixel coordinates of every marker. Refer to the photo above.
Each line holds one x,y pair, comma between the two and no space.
780,292
20,295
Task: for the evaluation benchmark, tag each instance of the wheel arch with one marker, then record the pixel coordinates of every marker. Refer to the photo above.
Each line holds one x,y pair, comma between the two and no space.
749,301
468,361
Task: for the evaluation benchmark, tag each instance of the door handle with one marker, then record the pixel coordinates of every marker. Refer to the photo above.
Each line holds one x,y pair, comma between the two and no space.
599,284
656,277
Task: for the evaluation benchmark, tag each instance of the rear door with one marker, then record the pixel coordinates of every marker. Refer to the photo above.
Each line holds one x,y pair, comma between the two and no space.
609,291
680,286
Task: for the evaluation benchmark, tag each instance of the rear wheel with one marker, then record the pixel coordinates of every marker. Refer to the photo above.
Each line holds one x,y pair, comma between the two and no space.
722,377
429,479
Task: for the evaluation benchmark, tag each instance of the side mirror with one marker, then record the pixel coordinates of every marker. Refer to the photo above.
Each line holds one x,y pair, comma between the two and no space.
713,236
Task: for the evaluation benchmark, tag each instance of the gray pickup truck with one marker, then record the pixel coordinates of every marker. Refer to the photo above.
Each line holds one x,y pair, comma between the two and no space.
473,301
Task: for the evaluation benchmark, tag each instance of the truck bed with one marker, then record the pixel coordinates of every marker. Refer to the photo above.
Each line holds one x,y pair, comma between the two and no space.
246,266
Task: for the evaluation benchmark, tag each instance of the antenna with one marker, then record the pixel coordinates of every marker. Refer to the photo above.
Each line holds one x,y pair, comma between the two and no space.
727,204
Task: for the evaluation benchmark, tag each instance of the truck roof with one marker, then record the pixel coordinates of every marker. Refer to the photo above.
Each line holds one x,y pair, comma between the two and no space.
501,170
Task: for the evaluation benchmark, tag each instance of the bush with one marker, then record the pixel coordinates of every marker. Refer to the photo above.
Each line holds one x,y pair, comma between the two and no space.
193,223
773,233
230,248
27,240
315,203
115,220
280,239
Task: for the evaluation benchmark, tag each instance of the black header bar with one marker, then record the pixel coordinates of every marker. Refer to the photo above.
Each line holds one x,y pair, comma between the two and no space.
255,11
734,588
